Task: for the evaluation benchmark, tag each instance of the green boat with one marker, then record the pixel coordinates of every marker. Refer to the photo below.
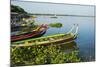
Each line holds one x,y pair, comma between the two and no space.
57,39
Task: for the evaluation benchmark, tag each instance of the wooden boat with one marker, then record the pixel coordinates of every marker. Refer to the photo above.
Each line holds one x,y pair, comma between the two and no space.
35,33
47,40
54,16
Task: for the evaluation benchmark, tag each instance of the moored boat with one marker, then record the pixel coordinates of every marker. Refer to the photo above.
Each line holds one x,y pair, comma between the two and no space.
35,33
54,16
47,40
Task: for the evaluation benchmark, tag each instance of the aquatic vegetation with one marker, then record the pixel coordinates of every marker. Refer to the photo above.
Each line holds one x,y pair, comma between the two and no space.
56,25
34,55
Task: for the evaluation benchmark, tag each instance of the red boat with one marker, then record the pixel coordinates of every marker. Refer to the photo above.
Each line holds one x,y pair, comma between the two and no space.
35,33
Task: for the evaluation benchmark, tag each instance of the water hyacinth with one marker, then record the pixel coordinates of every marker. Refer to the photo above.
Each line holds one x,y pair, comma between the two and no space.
35,55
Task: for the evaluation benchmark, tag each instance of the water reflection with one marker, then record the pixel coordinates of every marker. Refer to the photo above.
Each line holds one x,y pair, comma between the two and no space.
69,47
86,36
85,40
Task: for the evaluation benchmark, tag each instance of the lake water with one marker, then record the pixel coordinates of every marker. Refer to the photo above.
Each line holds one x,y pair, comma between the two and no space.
86,33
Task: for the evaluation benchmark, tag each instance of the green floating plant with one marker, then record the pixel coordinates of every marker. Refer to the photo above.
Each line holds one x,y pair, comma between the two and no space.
56,25
35,55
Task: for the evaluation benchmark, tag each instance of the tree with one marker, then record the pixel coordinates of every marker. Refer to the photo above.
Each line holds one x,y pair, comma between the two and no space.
17,9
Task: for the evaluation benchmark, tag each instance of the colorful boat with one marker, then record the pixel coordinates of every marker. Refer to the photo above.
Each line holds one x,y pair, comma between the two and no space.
35,33
57,39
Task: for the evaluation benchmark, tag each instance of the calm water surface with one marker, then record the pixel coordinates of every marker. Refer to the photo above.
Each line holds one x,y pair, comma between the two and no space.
86,33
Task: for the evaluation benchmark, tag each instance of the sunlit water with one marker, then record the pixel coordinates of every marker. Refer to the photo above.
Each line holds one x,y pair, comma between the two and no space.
86,33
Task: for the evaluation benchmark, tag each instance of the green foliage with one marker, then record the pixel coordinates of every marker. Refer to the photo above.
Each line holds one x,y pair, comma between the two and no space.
17,9
35,55
56,25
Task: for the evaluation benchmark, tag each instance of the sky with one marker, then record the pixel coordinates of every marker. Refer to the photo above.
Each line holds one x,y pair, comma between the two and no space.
88,2
51,8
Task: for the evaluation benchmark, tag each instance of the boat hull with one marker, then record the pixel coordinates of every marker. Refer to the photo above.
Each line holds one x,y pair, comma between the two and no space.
58,39
27,36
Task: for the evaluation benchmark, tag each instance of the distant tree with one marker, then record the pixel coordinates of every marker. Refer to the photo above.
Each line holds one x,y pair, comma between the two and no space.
17,9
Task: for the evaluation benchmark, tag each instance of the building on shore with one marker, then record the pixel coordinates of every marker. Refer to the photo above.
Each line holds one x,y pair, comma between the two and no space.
17,19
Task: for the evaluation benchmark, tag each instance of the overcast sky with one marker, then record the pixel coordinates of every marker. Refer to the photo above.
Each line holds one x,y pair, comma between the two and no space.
88,2
45,8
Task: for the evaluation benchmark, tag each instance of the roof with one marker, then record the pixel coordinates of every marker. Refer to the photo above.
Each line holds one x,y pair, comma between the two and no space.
14,13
